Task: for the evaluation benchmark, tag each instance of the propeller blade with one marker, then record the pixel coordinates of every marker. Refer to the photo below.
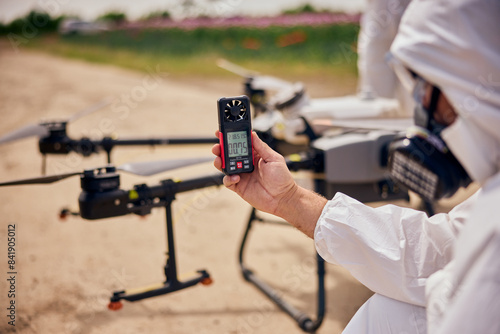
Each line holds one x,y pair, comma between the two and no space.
90,110
268,82
25,132
258,81
390,124
41,130
40,179
236,69
154,167
137,168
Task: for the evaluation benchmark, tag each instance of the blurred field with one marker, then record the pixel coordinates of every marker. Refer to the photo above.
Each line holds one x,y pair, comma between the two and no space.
320,45
322,56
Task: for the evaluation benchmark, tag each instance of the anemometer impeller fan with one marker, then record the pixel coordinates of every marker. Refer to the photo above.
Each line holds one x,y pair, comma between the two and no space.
235,110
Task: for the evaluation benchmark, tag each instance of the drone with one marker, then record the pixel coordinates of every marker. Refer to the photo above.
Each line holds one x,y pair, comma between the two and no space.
102,197
53,138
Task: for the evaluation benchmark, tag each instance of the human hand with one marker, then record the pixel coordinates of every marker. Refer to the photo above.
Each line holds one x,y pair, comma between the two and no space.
269,186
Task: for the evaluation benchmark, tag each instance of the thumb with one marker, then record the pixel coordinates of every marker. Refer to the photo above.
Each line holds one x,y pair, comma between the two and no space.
263,150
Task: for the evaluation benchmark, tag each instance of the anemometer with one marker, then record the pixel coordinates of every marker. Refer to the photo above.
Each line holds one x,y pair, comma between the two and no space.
235,134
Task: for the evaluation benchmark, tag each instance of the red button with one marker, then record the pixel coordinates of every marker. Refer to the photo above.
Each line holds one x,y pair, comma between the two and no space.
239,164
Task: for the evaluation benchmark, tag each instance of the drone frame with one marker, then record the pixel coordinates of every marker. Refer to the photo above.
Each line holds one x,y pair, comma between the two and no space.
57,142
53,138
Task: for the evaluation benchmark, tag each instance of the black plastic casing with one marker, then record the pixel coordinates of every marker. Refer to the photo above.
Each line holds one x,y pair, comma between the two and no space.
240,163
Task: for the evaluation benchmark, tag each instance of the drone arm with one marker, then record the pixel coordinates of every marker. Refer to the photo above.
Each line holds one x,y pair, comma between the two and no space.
198,183
169,141
311,160
139,200
109,143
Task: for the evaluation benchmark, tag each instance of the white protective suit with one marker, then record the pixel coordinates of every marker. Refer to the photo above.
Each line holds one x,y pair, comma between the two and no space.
439,274
378,28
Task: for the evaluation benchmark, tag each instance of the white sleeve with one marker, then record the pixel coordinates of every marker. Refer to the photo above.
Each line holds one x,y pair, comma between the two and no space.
390,249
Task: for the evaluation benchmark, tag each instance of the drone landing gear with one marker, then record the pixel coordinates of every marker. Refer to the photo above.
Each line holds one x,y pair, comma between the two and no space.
44,164
303,320
171,283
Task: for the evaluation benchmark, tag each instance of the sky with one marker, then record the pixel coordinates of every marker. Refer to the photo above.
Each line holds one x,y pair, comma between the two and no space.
90,9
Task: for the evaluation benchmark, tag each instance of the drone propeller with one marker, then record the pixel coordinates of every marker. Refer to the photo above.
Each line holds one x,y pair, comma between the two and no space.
89,110
269,82
154,167
236,69
138,168
25,132
42,129
389,124
258,81
40,179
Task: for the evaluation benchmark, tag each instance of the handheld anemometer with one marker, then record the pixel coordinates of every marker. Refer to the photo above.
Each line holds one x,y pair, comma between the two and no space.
235,134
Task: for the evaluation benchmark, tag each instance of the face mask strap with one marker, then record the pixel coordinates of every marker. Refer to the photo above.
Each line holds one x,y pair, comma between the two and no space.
424,116
434,101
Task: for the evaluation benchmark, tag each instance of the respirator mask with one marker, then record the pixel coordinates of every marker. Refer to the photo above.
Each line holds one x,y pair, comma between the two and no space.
420,159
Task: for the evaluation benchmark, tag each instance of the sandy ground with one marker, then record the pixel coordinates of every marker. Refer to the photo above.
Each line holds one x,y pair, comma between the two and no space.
66,271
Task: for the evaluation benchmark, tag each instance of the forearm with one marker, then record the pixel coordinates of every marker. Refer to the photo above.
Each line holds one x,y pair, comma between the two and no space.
302,209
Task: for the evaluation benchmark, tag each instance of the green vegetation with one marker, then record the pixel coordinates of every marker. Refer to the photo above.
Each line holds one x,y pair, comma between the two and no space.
300,51
157,15
113,16
332,46
317,44
307,8
33,23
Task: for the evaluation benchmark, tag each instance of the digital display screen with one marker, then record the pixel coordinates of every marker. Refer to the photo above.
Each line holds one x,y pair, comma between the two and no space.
237,143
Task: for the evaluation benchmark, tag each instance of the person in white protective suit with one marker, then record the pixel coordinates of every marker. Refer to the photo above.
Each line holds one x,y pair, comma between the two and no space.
378,28
430,275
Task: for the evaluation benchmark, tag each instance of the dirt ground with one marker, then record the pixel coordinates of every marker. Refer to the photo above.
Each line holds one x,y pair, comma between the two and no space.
67,270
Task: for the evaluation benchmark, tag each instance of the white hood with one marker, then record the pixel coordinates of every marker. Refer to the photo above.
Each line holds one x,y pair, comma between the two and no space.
455,44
